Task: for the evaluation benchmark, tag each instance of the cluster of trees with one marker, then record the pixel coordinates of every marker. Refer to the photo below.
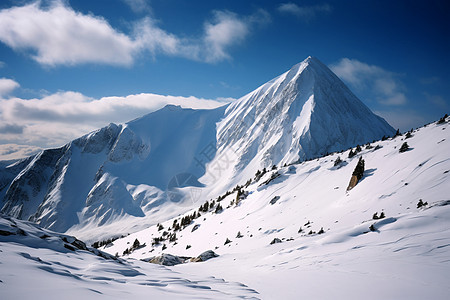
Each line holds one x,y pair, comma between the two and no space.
376,217
421,203
353,153
99,244
443,119
136,245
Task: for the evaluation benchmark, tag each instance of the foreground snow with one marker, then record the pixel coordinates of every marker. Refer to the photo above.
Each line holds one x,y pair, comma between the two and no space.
36,265
405,255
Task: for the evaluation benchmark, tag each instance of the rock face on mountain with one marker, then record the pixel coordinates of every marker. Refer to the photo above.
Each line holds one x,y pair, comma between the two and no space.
124,170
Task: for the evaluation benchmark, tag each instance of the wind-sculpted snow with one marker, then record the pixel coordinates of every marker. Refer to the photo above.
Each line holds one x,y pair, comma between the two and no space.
41,264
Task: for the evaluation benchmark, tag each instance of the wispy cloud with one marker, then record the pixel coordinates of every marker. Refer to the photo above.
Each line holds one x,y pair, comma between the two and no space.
305,13
404,119
436,100
383,85
225,30
58,35
139,6
15,151
7,128
7,86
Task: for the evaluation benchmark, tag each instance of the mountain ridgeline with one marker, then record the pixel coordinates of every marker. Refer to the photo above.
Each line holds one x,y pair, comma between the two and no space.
123,171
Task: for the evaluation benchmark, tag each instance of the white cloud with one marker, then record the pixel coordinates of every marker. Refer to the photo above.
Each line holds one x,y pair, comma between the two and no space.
7,86
225,30
15,151
305,13
384,86
58,35
54,120
138,6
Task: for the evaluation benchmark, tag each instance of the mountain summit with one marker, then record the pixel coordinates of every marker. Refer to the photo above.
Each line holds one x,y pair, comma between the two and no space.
304,113
123,173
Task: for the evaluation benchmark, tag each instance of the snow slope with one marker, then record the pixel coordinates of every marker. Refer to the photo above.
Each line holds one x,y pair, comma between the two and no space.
40,264
132,175
404,255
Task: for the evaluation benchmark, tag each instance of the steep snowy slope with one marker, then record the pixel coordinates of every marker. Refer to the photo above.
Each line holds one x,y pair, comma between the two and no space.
303,234
135,173
304,113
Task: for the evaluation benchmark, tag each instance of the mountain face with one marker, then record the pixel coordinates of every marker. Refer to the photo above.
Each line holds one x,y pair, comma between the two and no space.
304,113
124,172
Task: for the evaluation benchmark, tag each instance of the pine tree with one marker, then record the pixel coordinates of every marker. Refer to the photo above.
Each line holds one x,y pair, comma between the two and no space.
337,161
218,208
351,153
136,244
404,147
359,169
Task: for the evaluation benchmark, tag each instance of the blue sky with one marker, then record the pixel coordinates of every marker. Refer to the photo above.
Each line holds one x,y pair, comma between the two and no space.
68,67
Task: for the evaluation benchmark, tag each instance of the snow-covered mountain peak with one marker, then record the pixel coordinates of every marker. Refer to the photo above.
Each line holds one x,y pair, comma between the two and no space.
126,171
303,113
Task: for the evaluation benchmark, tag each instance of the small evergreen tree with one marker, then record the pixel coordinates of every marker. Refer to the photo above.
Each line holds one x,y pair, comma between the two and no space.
442,120
421,203
239,235
227,241
382,215
321,231
337,161
372,228
359,169
136,244
404,147
219,208
351,153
